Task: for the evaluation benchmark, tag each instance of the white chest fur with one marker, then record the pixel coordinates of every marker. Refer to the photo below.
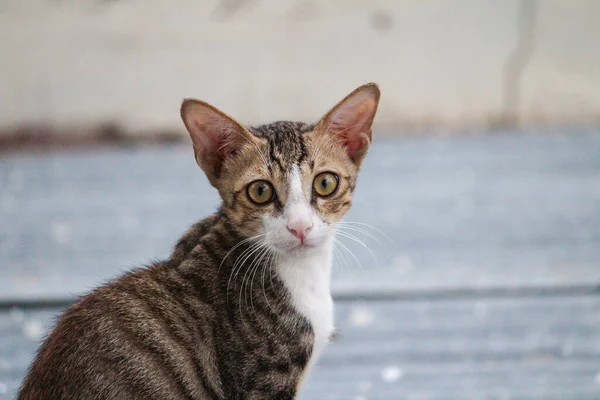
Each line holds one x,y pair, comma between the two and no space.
308,280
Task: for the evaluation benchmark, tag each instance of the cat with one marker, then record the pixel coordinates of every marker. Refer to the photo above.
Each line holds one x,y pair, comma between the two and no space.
242,307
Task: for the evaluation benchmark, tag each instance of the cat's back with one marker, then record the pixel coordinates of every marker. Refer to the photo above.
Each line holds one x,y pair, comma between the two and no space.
139,336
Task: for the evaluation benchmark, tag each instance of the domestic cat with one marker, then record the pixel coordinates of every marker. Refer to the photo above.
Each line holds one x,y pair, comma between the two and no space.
242,307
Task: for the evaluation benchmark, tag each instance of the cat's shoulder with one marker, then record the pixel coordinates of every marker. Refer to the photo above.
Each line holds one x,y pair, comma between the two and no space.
192,236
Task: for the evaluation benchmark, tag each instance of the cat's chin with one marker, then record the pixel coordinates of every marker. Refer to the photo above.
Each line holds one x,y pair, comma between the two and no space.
303,249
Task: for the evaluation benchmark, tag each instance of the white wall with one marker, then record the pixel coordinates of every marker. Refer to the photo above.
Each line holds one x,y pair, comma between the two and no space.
439,63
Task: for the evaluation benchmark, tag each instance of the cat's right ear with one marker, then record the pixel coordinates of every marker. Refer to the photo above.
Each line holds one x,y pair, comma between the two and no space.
215,135
351,119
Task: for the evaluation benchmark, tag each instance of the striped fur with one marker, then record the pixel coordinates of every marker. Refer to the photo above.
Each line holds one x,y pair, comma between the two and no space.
220,318
174,331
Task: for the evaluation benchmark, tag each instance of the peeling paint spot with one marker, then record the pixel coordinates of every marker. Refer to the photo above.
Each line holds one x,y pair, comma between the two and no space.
361,316
391,373
382,21
33,330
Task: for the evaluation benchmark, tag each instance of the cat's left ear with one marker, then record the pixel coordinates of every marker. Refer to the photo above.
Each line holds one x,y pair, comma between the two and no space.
216,136
351,119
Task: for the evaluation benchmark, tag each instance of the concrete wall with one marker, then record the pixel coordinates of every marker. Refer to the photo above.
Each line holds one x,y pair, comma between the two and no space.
446,64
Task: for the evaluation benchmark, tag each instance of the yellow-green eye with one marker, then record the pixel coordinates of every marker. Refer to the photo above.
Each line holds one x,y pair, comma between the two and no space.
325,184
261,192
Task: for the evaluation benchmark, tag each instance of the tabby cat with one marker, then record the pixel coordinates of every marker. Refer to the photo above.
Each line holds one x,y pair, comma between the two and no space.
242,307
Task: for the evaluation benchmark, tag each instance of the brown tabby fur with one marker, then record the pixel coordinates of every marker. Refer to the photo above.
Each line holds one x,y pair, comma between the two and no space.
183,329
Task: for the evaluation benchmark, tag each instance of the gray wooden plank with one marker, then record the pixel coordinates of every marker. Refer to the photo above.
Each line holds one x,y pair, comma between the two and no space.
505,211
545,348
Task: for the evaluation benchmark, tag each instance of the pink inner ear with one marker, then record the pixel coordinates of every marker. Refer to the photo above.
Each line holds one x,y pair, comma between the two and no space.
214,138
205,138
213,142
351,124
215,135
229,140
356,143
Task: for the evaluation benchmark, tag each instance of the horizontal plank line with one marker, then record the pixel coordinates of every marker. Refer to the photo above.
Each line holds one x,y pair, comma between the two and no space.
471,293
389,295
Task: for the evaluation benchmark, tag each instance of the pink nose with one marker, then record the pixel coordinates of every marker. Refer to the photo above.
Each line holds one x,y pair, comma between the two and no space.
300,229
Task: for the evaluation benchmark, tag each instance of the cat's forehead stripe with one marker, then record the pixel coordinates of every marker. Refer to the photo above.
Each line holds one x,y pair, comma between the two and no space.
287,143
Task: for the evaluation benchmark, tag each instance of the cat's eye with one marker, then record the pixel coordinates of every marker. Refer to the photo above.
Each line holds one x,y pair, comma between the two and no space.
261,192
325,184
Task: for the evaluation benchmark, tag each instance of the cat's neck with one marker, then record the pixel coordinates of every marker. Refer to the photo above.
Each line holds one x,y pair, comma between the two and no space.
307,278
315,264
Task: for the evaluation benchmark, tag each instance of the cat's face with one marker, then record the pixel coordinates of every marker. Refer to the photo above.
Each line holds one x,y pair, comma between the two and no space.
285,183
292,187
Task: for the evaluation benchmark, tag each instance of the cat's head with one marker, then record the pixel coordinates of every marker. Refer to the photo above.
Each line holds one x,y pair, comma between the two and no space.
286,183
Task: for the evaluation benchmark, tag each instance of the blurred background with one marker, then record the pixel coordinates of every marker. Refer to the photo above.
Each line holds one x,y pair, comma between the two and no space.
476,273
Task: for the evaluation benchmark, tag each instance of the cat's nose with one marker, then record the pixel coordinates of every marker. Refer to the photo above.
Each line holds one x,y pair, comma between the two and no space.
300,229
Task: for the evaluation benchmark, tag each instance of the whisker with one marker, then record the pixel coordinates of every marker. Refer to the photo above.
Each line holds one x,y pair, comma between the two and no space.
369,226
351,253
359,230
238,245
357,240
242,287
268,264
275,260
258,261
341,256
240,260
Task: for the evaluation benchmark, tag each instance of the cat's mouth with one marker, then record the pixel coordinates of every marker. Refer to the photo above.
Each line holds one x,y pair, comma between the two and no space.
296,249
303,245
